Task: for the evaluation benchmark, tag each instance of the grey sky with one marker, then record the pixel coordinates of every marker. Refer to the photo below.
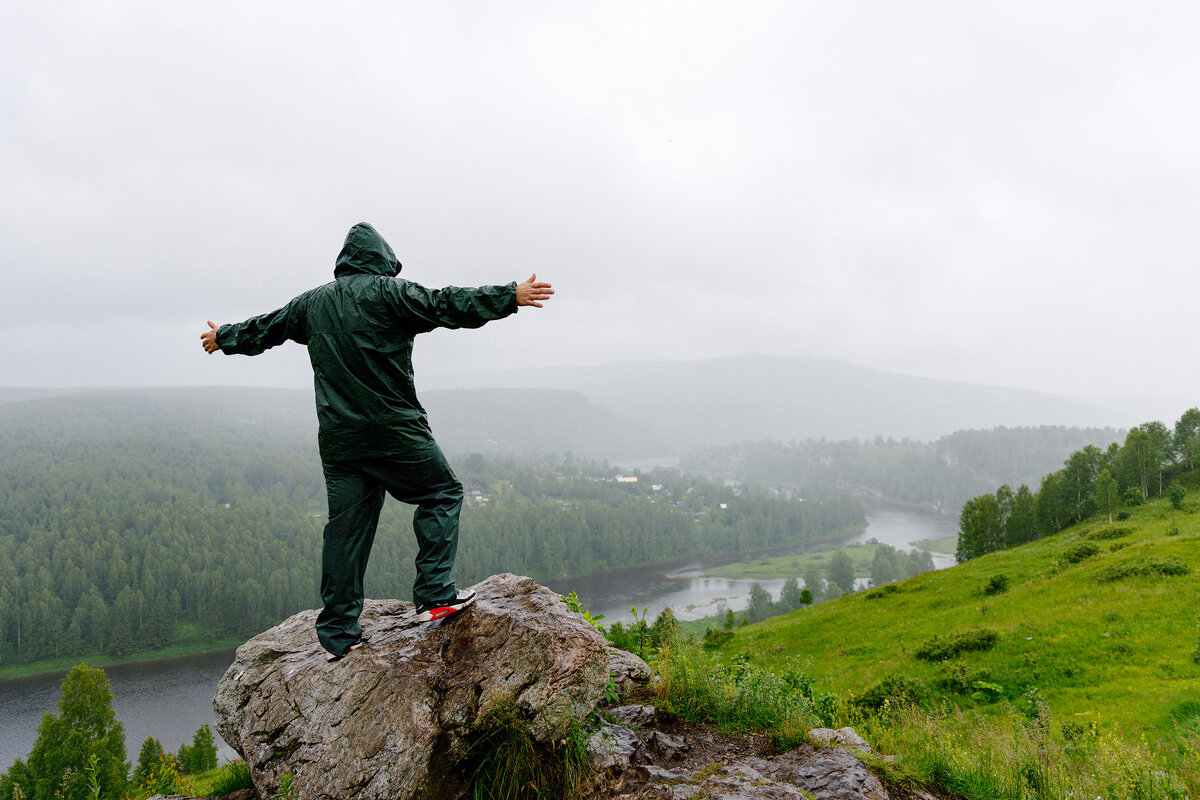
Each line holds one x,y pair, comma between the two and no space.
1000,193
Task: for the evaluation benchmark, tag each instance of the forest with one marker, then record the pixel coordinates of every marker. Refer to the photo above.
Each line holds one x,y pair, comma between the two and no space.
939,475
1150,463
129,524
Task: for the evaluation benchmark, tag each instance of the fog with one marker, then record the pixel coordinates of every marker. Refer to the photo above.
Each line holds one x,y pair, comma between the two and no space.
991,193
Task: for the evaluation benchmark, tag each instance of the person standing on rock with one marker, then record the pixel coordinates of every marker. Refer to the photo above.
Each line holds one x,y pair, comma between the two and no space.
373,434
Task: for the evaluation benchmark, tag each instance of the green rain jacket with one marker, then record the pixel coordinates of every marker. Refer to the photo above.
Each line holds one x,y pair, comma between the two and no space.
359,331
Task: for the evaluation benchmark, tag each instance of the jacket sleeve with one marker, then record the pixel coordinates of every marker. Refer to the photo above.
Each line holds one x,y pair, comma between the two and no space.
263,332
422,309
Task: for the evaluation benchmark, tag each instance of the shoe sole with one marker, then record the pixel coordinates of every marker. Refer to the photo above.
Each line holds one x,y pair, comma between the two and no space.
349,650
441,612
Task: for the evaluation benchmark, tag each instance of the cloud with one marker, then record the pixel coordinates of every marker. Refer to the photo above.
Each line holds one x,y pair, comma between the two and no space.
995,193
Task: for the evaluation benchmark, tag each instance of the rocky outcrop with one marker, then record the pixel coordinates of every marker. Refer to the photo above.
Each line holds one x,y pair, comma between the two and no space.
664,760
383,721
390,719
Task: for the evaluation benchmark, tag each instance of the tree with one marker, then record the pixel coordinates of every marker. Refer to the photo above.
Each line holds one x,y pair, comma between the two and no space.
151,750
1164,447
884,568
980,528
663,633
1187,433
201,754
1022,519
841,571
806,596
1107,496
789,597
813,580
1138,462
760,603
84,727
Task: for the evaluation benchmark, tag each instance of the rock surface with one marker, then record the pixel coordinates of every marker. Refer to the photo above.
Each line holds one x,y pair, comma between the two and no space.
377,723
682,762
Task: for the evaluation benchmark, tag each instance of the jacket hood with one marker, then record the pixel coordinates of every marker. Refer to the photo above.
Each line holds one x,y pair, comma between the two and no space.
365,252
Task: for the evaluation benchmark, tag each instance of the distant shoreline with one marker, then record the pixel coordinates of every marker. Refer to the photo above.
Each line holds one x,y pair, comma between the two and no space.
62,665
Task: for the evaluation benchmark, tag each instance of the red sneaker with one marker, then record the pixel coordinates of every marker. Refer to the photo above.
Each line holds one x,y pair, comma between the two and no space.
428,612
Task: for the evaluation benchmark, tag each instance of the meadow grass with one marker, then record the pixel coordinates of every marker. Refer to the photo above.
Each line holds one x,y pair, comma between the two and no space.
795,564
1109,655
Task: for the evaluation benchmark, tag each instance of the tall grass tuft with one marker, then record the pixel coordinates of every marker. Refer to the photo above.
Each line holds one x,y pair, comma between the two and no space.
229,779
504,762
740,696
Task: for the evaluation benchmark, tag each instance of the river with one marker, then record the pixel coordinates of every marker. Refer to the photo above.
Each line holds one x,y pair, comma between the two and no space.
692,595
171,698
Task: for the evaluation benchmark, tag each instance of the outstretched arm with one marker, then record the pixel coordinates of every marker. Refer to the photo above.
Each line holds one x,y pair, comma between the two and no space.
531,292
257,334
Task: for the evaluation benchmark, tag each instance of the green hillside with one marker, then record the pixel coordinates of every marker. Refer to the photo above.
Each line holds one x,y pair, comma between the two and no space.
1098,623
1096,646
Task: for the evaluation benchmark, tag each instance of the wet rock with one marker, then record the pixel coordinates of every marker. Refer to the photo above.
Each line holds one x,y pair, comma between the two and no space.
826,773
665,746
377,723
627,670
842,737
634,714
614,747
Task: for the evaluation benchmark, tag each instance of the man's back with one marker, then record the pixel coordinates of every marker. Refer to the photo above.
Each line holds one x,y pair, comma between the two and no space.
359,330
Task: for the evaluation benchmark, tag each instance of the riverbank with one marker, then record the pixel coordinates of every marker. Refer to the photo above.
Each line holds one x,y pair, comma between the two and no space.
63,664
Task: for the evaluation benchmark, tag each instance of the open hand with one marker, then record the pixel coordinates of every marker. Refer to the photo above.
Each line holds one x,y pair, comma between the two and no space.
531,292
208,339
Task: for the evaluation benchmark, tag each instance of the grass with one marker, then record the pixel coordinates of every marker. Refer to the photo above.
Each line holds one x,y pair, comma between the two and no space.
504,762
64,663
795,565
223,780
946,544
1113,654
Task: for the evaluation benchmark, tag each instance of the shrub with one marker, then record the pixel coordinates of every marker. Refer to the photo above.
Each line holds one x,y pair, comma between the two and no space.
166,778
997,584
1080,551
1122,515
1112,532
1133,496
714,639
1115,546
1196,652
882,591
1176,493
961,678
1155,567
943,648
894,690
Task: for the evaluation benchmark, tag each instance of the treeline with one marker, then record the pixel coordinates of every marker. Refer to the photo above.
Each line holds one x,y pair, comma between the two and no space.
130,531
941,475
1091,481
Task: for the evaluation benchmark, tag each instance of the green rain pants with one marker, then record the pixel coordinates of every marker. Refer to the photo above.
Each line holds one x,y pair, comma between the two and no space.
356,490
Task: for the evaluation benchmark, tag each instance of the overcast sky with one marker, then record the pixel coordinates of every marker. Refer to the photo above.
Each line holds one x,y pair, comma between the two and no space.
1002,193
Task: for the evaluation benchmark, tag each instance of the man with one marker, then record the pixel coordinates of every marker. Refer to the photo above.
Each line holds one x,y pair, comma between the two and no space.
373,433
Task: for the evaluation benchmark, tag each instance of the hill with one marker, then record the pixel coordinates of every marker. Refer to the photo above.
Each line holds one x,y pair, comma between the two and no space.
726,400
1098,622
521,422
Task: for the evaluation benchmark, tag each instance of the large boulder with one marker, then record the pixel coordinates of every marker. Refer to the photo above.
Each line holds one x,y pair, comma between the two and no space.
388,720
